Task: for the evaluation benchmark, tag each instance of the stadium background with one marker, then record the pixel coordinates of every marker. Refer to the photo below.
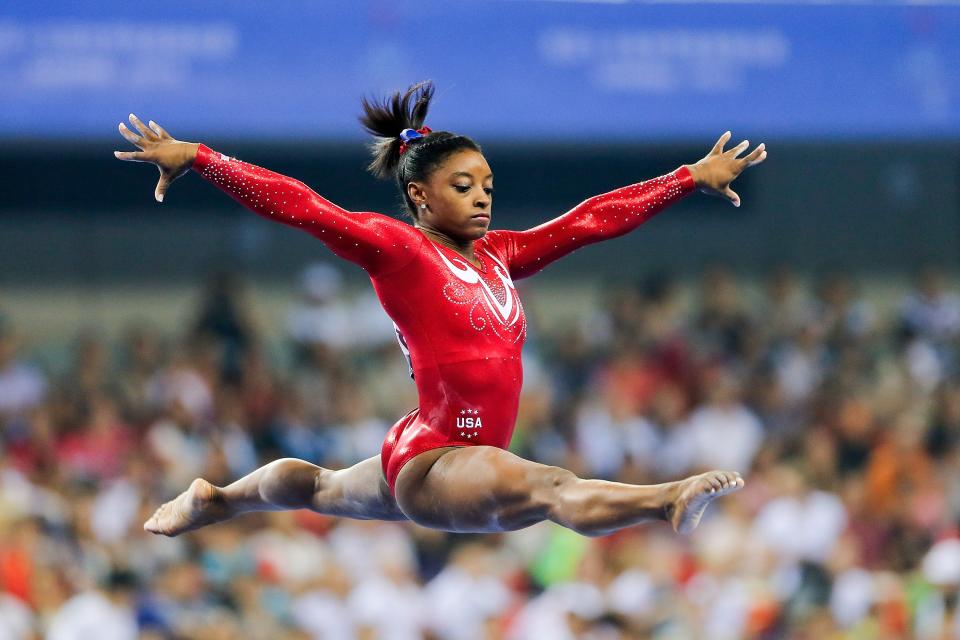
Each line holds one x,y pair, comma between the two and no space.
808,339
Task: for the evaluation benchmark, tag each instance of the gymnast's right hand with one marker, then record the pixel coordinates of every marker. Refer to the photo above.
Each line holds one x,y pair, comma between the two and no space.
173,157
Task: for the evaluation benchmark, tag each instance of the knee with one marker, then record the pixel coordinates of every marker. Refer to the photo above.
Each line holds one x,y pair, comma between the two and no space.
552,490
534,492
557,480
560,494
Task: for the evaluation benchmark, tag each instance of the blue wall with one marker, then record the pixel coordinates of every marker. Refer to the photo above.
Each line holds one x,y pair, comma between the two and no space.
505,69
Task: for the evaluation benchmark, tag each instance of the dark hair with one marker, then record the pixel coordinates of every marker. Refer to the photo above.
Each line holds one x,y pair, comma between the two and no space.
407,110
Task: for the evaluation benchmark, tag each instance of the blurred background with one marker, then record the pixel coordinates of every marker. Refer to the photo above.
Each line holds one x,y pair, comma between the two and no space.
809,339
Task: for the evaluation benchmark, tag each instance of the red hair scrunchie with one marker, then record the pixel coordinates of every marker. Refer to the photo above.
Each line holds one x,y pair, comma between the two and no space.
409,134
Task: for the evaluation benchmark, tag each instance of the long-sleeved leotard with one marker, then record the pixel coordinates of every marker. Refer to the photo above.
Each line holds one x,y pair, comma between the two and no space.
461,326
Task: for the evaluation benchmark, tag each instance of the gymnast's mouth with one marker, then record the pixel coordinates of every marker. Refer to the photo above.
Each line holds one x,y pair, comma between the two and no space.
485,216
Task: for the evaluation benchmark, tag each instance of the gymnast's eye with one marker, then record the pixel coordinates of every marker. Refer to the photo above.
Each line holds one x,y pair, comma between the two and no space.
462,188
489,190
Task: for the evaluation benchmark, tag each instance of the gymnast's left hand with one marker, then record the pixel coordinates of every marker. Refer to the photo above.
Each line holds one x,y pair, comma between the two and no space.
173,157
715,171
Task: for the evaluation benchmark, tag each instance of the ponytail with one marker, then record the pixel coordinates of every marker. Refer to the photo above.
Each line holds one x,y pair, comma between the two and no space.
388,118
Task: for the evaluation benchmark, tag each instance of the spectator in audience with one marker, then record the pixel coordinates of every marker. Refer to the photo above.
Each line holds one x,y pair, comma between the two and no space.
848,530
22,385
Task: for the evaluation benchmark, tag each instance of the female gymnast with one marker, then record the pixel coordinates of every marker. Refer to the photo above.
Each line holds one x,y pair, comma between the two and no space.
447,283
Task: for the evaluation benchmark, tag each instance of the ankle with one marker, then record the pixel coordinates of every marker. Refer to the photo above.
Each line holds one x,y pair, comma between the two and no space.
219,498
669,491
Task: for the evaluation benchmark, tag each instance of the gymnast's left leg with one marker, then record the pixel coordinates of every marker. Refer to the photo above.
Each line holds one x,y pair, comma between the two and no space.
485,489
358,492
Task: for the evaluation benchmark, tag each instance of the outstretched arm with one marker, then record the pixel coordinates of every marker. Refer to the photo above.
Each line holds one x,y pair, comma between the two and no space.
377,243
620,211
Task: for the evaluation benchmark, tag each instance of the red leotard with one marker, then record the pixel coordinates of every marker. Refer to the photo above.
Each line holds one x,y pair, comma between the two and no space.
461,326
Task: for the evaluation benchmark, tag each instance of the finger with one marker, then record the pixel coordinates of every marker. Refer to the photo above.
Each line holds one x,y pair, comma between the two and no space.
732,196
737,150
161,189
760,157
721,143
142,128
135,156
160,131
753,155
130,136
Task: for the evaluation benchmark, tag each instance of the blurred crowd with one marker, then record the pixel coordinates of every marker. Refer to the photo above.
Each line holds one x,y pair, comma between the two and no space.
842,414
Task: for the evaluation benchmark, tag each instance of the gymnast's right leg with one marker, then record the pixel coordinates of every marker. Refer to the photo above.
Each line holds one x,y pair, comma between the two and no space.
358,492
485,489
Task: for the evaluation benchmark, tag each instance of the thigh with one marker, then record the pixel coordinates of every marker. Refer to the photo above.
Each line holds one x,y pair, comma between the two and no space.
358,492
477,489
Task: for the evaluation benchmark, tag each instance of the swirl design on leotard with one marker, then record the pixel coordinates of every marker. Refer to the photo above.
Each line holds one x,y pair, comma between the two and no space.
486,309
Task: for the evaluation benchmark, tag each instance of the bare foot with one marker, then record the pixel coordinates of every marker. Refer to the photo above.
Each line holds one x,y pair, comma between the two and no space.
692,496
198,506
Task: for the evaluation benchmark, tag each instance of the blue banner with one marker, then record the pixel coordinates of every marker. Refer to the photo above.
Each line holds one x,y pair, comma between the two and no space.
504,69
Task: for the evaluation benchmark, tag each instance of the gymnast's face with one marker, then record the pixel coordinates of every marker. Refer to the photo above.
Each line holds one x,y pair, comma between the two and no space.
458,195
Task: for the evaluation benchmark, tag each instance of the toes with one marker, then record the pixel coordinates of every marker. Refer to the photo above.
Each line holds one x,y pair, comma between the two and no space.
725,481
153,523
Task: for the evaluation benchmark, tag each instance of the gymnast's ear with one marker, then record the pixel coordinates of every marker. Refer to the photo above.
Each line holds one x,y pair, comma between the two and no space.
416,193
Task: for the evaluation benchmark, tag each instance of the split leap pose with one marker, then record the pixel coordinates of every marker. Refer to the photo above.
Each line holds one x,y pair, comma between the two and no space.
447,283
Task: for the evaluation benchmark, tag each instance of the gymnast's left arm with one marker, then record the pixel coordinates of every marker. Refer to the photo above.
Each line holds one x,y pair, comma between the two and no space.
618,212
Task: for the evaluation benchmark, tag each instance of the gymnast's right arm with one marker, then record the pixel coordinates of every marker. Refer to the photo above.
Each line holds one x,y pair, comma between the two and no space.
377,243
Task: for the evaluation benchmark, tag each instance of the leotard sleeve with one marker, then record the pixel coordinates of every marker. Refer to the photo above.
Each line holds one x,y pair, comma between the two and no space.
378,243
598,218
